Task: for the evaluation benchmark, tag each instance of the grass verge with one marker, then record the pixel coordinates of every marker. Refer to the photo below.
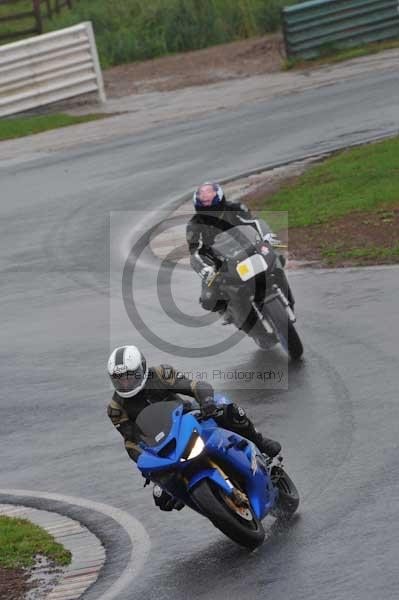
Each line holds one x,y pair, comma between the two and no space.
337,56
345,210
21,541
359,179
21,126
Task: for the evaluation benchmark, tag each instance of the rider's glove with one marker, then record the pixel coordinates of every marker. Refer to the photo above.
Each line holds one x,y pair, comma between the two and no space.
272,239
206,273
208,407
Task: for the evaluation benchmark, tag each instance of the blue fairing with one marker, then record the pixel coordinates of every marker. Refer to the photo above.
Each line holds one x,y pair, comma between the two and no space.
223,459
250,465
181,431
215,476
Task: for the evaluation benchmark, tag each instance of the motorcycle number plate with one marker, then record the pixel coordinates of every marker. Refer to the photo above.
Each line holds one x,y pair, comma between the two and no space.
251,266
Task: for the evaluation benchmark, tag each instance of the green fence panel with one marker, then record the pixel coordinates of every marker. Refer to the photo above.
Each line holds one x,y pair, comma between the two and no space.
334,17
312,10
341,30
311,27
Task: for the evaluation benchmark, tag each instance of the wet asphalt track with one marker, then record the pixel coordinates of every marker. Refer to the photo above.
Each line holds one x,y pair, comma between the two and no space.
338,419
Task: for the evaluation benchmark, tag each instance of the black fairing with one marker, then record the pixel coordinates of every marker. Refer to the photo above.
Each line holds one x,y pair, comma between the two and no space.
237,243
230,248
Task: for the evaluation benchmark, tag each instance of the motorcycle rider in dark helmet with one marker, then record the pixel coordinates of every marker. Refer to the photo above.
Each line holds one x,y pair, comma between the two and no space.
215,214
137,385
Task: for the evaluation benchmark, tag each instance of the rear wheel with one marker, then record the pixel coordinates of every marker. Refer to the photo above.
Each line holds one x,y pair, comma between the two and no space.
288,499
285,329
238,523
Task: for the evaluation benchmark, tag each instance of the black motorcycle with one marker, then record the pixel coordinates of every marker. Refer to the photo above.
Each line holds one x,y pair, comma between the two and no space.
251,279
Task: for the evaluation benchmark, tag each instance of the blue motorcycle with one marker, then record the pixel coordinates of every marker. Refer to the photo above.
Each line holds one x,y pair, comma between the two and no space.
217,473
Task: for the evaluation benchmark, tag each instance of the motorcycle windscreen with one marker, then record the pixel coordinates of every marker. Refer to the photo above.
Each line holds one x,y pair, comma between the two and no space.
235,241
264,227
154,423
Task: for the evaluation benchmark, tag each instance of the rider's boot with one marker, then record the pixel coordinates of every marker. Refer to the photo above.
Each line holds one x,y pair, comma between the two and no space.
223,310
267,446
227,317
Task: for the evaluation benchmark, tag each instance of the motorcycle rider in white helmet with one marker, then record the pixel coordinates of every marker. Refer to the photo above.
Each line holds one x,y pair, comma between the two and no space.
137,385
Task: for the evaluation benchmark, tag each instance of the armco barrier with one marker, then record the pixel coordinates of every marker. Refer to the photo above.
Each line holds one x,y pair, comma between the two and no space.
49,68
311,27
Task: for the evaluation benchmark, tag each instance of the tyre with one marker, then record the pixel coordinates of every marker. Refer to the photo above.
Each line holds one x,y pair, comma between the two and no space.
284,329
219,509
263,342
288,499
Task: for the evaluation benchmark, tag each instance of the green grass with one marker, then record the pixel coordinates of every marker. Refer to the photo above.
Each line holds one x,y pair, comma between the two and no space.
21,541
278,220
361,179
336,56
128,30
368,254
20,126
16,25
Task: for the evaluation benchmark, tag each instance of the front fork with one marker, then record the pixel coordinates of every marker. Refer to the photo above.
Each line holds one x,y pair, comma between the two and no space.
283,284
277,293
286,303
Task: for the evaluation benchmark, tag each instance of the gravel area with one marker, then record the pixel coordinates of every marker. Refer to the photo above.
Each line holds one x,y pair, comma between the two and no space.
237,60
13,584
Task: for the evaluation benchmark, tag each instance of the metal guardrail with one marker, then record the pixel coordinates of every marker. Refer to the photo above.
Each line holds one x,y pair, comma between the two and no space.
49,68
317,27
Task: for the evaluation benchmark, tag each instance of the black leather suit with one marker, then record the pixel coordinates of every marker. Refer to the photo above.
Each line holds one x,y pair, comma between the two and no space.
201,231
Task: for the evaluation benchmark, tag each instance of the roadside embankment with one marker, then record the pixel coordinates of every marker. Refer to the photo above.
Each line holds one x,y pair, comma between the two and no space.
171,245
140,29
343,210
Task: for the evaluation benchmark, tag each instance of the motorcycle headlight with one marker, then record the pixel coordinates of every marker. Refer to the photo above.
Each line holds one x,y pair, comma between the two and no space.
194,447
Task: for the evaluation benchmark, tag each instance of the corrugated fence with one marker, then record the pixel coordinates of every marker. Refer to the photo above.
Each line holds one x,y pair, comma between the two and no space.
314,28
49,68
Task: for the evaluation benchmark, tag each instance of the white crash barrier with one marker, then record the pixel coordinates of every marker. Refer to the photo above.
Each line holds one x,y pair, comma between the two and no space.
49,68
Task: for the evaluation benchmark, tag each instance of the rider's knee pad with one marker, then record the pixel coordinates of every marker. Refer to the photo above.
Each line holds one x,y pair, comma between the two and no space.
238,414
235,416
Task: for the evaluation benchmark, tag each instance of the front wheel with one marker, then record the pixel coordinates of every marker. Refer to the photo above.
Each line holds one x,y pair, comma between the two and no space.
240,525
288,495
284,329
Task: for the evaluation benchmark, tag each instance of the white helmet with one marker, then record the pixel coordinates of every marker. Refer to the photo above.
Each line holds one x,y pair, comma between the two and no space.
128,370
